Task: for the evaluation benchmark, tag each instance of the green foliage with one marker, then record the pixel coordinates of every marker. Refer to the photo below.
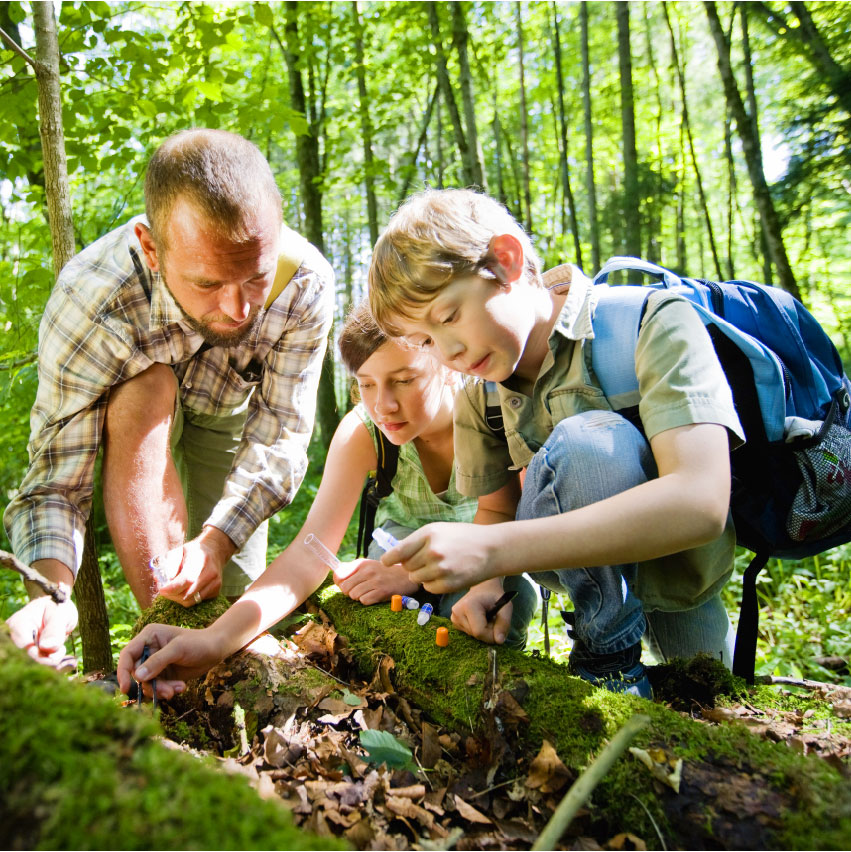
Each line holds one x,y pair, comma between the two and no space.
383,747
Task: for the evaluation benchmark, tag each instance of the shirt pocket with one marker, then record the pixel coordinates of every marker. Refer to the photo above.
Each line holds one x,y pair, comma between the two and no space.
567,402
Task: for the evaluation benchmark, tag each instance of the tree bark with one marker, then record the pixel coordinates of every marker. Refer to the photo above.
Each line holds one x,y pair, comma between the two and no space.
366,127
565,172
460,37
631,192
762,195
307,157
524,122
449,97
411,171
703,203
657,200
590,185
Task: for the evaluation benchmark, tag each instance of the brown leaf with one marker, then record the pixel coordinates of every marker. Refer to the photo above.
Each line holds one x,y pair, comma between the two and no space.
626,841
469,813
406,808
430,753
509,710
547,773
842,708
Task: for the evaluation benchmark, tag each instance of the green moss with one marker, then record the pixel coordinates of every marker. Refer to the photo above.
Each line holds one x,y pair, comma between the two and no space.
684,684
578,719
77,772
164,611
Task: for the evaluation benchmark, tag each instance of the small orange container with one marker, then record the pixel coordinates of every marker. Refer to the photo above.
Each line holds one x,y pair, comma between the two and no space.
441,638
396,603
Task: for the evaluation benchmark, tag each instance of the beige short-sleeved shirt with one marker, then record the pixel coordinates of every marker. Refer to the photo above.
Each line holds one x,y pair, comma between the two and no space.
680,383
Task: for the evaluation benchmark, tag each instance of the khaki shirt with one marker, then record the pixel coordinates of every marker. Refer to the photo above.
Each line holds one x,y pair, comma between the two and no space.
680,383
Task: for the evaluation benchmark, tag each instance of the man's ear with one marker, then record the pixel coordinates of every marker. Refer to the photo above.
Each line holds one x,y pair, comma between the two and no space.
505,256
149,246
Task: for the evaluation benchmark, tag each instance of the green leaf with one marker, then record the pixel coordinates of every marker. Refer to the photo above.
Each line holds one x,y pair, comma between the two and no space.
351,698
382,747
263,14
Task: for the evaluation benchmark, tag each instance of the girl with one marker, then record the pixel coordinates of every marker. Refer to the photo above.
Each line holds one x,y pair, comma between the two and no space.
409,397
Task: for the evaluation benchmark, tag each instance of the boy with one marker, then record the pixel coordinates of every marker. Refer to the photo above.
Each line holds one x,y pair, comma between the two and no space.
633,527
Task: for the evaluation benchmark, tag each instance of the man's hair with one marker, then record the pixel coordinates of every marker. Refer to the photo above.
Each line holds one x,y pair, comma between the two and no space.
434,238
222,174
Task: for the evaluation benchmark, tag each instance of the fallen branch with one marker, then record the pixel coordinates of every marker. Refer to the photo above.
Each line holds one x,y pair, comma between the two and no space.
581,790
9,560
794,681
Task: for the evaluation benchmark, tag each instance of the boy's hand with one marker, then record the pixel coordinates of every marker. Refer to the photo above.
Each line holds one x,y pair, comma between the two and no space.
179,655
469,613
445,557
370,581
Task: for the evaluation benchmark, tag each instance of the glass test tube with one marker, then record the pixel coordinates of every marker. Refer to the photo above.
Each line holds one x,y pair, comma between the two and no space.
315,545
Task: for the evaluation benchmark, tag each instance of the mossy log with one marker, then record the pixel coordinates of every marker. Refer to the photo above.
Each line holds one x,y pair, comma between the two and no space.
737,791
79,772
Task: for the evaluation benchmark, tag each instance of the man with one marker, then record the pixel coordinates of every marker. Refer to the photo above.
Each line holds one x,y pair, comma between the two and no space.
178,343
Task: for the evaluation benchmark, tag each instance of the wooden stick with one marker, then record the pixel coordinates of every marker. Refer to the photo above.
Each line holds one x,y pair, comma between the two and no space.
16,48
794,681
584,785
9,560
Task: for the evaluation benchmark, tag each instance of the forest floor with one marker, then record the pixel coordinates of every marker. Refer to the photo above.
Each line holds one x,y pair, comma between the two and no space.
360,761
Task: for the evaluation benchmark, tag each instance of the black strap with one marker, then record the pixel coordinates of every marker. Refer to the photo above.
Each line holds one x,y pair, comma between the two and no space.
376,488
744,658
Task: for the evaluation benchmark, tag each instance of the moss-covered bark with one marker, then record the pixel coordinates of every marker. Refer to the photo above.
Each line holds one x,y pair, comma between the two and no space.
737,791
79,772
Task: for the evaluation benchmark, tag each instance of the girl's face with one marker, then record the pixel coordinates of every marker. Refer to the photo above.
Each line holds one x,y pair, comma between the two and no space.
405,392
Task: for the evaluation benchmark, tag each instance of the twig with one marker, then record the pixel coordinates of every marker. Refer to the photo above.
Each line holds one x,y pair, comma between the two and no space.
492,788
16,48
794,681
584,785
9,560
653,821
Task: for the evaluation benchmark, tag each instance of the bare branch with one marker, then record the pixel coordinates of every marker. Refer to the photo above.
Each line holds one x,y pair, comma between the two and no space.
16,48
9,560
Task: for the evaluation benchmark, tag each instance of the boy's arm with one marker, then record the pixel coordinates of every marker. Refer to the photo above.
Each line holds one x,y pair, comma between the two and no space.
686,506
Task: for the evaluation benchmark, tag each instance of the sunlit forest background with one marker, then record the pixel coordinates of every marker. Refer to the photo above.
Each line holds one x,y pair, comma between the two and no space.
712,138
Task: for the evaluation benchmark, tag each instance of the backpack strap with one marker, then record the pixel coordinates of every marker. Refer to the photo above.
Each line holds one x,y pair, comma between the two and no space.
378,486
290,258
493,410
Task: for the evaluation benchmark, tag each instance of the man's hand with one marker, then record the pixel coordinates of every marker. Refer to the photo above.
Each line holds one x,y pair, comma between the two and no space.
469,613
446,557
201,562
370,581
41,628
177,655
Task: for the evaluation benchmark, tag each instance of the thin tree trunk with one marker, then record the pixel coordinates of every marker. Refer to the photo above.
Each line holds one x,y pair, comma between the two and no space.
731,191
590,186
403,194
449,98
654,213
703,203
565,172
524,122
497,145
681,202
631,192
307,157
460,37
366,127
762,195
88,588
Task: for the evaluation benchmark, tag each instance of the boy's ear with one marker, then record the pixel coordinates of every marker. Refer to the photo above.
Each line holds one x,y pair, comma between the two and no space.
505,258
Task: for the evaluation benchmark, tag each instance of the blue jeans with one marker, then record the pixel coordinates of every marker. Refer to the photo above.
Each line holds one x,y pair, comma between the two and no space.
587,458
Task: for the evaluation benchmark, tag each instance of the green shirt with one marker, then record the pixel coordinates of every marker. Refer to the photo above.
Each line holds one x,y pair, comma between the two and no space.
412,503
680,383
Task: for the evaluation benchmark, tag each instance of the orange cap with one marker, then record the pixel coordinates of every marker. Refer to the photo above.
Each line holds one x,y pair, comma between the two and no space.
442,637
396,603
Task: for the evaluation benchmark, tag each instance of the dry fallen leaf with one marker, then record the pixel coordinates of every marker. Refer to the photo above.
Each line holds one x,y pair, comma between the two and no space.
469,813
547,773
665,767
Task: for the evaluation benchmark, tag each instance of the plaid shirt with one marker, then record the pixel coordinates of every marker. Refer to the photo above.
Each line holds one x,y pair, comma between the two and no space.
108,319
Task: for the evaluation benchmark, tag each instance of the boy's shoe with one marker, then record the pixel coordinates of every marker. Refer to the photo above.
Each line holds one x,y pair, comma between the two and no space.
622,671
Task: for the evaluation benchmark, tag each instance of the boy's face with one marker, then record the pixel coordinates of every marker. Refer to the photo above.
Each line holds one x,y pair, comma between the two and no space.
478,326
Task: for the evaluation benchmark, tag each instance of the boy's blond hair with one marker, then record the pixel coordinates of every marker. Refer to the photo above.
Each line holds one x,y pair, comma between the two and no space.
434,238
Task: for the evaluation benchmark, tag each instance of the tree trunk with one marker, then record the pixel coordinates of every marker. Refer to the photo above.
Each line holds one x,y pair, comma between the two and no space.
91,606
524,122
703,203
411,171
497,147
366,127
657,200
631,192
590,185
565,172
307,157
449,97
460,37
762,195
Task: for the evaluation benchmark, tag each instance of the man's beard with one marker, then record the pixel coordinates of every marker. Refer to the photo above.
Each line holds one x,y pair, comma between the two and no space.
219,338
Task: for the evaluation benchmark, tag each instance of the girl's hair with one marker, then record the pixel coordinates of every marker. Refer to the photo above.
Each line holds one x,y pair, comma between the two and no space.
434,238
360,337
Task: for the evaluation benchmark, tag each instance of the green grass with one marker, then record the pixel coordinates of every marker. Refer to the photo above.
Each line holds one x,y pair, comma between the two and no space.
803,605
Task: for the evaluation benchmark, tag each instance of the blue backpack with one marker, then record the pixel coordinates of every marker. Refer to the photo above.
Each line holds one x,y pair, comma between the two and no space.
791,489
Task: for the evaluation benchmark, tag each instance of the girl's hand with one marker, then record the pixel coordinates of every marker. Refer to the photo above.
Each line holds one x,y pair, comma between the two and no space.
469,613
369,581
446,557
177,655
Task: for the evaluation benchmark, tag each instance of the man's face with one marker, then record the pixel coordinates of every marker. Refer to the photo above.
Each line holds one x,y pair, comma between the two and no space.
220,286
